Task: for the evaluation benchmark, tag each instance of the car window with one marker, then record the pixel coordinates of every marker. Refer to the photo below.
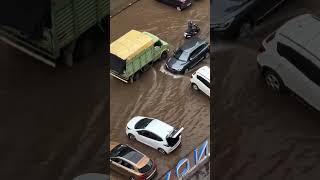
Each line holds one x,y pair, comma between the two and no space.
205,82
126,164
197,51
158,43
181,55
154,136
303,64
143,133
143,123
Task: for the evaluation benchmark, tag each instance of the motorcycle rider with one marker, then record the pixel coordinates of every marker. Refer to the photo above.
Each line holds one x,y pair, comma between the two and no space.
191,27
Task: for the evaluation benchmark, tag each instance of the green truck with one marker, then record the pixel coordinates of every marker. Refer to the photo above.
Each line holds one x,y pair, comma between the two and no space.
50,29
134,53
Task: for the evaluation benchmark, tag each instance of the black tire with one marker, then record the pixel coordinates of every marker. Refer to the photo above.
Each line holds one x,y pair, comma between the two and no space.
245,29
162,151
195,87
186,70
87,43
273,81
207,55
131,136
136,76
131,79
164,55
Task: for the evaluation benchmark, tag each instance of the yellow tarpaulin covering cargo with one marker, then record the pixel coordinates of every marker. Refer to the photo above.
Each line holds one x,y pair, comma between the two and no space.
130,44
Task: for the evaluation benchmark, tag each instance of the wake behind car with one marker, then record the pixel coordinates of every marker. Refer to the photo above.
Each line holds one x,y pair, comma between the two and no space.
178,4
200,80
154,133
290,59
231,18
192,52
131,162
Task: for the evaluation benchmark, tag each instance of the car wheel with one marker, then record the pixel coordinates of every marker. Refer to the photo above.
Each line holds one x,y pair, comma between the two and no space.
162,151
195,87
164,55
207,55
273,80
179,8
186,70
131,136
245,29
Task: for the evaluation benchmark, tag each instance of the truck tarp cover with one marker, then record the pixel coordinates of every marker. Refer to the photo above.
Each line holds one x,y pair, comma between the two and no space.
117,64
28,16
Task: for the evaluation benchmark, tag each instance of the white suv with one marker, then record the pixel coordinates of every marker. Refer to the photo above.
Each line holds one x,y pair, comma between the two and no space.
154,133
200,80
290,58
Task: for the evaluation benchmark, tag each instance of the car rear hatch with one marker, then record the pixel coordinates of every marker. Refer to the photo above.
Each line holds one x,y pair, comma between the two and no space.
174,136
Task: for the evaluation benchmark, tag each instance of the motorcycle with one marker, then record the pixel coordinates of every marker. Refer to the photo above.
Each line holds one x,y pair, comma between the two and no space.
190,32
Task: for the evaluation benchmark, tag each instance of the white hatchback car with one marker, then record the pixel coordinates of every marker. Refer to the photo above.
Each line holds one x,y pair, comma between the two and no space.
154,133
290,58
200,80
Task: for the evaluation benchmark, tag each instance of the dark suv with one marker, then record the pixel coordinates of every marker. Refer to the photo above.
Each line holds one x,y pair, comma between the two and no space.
179,4
233,18
188,55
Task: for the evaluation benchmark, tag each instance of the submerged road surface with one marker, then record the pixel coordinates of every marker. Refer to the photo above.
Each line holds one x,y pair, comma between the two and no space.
158,93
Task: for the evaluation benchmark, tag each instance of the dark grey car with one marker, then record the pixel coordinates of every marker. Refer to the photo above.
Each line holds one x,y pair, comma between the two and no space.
231,18
188,55
180,5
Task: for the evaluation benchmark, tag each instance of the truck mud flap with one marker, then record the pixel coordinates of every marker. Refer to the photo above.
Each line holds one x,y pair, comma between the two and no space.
25,50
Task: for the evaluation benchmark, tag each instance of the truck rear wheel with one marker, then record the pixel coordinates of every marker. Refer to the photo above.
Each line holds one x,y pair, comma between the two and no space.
86,44
136,76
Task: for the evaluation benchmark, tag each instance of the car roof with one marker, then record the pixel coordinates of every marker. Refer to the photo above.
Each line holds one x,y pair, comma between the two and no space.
192,44
159,128
137,158
305,31
204,71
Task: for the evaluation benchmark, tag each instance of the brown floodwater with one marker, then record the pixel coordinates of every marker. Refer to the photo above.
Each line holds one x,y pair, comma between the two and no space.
158,93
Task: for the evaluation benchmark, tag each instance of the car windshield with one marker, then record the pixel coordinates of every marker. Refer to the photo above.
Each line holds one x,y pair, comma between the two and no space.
181,55
146,168
143,123
126,152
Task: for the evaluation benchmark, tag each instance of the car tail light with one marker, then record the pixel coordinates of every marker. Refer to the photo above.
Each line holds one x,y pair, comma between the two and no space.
142,176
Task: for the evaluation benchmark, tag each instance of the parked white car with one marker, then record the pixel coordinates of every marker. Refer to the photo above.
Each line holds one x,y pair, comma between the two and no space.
200,80
154,133
290,58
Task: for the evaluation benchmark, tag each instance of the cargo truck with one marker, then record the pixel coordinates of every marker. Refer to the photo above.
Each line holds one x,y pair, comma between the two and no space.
50,29
134,53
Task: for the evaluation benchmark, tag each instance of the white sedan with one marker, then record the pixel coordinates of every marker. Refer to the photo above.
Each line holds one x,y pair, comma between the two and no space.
154,133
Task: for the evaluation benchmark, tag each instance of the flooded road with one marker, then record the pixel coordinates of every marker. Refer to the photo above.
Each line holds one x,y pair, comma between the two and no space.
53,120
261,135
158,93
